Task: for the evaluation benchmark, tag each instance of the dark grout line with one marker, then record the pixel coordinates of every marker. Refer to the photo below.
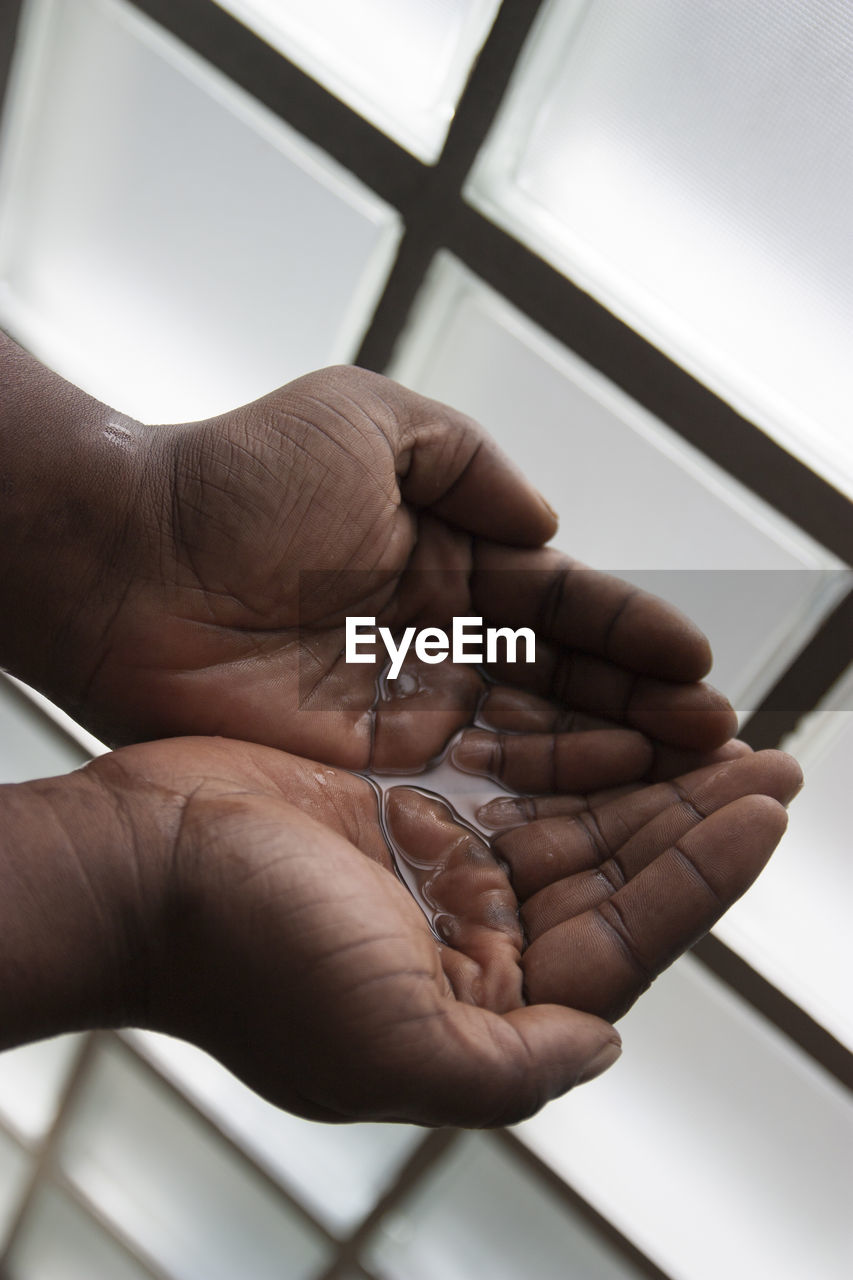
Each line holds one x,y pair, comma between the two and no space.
436,216
430,218
10,14
807,680
433,1148
293,95
47,1148
135,1251
656,382
217,1125
784,1014
601,1226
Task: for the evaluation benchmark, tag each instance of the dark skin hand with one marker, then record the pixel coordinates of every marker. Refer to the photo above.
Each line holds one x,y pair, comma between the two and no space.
222,890
187,544
245,899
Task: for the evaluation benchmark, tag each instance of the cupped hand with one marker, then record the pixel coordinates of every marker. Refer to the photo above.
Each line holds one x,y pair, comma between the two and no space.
342,493
281,940
425,976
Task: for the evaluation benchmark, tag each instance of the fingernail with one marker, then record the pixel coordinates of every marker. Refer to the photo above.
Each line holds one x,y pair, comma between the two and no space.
473,752
499,813
605,1058
546,504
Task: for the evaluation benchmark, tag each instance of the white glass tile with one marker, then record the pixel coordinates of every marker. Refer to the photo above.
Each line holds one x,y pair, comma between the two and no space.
90,744
338,1171
794,924
714,1144
632,496
689,165
156,1170
31,744
32,1079
58,1241
479,1212
165,242
401,63
14,1170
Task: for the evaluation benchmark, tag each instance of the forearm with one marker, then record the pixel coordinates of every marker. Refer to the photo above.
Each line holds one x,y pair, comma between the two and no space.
77,878
71,474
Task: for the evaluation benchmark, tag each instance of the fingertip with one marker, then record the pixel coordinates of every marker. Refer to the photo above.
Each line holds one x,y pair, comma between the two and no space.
608,1054
491,497
502,813
770,813
656,638
734,749
571,1047
474,751
721,715
696,717
790,771
552,518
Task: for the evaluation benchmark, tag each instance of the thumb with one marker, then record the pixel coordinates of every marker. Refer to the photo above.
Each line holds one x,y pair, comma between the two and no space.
497,1069
447,462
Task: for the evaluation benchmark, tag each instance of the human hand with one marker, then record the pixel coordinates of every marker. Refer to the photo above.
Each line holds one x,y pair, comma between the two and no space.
274,932
285,943
160,590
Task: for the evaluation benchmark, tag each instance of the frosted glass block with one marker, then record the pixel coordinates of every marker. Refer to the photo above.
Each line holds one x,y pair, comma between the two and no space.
794,924
58,1241
90,744
14,1171
480,1213
31,744
632,496
401,63
165,241
155,1169
714,1144
689,165
338,1172
32,1079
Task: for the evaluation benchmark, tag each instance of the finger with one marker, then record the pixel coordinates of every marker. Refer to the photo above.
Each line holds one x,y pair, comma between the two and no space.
419,712
610,869
547,762
580,608
671,762
553,848
692,716
463,892
519,711
478,1069
602,960
505,812
448,463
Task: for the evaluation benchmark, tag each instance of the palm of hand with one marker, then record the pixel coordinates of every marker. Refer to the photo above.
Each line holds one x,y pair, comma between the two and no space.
311,971
344,494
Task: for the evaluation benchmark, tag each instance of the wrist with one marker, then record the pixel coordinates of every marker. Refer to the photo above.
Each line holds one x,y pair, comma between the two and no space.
83,870
73,524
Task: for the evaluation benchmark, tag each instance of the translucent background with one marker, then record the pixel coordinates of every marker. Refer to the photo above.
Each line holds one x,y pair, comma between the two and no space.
173,247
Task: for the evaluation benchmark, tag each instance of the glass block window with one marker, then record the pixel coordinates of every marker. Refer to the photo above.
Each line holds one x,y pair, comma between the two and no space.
632,497
401,63
793,927
270,269
617,235
733,1120
690,166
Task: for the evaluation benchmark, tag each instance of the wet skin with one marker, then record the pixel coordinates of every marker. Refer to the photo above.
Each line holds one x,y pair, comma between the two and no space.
284,941
250,899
